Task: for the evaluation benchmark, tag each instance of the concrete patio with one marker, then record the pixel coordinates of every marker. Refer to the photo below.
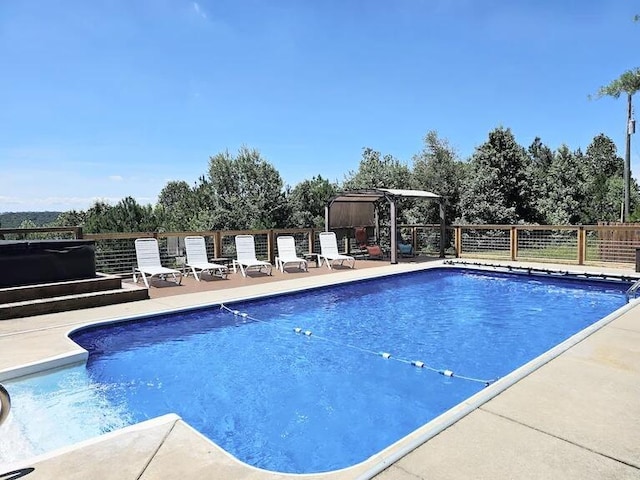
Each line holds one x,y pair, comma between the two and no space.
575,416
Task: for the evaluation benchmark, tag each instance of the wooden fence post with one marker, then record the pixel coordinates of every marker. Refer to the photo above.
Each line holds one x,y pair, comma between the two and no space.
458,240
217,244
582,245
270,243
311,237
513,243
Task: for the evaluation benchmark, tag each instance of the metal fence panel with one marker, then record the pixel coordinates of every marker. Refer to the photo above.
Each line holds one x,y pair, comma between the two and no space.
548,245
486,242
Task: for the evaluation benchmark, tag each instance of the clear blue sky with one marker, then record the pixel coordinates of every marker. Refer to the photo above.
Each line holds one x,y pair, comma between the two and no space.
104,99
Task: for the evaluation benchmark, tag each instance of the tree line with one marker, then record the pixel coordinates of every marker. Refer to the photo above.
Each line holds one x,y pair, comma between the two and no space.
501,183
37,219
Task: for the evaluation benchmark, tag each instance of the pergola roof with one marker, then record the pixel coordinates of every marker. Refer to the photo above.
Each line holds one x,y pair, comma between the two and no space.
375,194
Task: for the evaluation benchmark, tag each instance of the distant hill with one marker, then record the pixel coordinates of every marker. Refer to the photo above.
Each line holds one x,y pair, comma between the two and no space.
14,219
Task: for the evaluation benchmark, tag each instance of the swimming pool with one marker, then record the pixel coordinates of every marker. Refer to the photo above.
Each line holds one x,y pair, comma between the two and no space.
292,402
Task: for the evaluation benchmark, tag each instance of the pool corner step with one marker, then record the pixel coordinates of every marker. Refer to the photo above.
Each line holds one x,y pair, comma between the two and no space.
63,296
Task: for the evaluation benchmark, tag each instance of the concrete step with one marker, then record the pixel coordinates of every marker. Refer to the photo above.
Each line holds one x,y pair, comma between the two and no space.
25,293
75,301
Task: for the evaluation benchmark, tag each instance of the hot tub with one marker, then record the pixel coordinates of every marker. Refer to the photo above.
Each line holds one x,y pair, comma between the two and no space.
27,262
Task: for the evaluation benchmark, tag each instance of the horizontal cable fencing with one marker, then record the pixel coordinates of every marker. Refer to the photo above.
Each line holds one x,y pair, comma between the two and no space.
612,245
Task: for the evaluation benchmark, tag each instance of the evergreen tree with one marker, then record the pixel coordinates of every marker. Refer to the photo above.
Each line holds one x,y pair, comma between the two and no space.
497,189
603,173
97,219
378,171
565,188
129,216
307,202
540,157
126,216
436,169
176,206
382,171
243,192
71,218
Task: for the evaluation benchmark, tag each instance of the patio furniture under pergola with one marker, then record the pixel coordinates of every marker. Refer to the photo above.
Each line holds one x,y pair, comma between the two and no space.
357,207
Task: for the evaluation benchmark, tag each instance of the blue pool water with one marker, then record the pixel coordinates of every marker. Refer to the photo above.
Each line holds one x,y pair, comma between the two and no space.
299,403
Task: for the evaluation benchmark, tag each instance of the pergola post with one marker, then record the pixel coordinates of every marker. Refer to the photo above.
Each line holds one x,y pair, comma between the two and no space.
376,219
394,228
443,227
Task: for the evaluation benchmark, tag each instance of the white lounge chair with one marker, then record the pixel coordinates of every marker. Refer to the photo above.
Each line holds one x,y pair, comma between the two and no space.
329,250
197,258
246,253
148,257
287,254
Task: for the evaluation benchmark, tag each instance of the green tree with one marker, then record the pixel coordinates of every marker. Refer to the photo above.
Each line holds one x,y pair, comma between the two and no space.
27,236
244,192
203,206
612,201
378,171
629,83
497,189
603,173
565,186
126,216
71,218
176,206
98,218
541,157
307,202
437,169
382,171
635,201
129,216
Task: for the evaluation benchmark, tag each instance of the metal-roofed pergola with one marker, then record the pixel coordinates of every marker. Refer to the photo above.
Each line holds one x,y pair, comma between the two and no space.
360,198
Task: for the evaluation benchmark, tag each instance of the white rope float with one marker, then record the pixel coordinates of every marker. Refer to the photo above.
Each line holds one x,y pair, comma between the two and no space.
385,355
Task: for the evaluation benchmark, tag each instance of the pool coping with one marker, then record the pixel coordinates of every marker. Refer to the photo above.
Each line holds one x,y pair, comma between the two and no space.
367,469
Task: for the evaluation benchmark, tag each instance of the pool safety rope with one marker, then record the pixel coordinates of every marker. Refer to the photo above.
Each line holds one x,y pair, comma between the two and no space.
385,355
